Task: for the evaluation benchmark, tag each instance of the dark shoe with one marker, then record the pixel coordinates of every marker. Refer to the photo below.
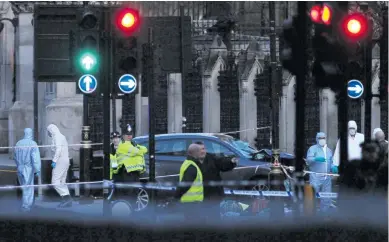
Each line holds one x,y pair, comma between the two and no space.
66,202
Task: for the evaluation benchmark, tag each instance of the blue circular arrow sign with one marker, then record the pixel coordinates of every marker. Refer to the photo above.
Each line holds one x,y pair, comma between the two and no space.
87,84
127,83
355,89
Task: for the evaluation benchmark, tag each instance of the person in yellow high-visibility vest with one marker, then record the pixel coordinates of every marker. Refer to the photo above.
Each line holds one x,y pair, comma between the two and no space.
191,196
131,163
115,141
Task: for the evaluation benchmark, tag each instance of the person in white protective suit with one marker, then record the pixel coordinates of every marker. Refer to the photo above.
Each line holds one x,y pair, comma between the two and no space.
60,164
28,164
354,144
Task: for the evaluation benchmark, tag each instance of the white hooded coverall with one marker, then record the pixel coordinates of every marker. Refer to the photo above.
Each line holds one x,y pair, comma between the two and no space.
354,146
61,158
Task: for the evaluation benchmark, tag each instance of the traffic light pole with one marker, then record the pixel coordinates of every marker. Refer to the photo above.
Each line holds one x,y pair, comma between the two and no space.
182,66
276,174
301,76
151,94
367,59
106,107
343,111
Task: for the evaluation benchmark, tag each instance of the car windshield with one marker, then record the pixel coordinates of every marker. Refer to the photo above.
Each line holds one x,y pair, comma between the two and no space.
242,146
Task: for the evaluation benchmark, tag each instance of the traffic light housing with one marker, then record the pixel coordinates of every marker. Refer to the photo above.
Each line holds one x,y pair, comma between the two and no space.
126,58
87,59
291,44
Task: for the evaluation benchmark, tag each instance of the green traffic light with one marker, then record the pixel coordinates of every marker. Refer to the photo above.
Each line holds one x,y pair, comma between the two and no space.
88,62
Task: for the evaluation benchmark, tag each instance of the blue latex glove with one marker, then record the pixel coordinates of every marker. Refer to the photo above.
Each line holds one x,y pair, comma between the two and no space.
334,169
53,164
320,159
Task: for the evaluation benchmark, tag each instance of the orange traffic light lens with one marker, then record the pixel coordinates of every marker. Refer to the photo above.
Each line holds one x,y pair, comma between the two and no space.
354,26
128,20
326,15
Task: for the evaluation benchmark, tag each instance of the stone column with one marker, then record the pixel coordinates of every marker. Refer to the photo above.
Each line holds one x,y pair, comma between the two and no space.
332,120
243,111
66,112
21,113
174,103
211,114
324,112
7,47
207,104
283,118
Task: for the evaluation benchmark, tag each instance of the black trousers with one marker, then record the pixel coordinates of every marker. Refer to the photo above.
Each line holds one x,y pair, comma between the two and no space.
127,193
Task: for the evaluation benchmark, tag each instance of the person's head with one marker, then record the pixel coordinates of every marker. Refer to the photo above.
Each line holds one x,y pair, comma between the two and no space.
127,134
378,134
52,130
115,138
352,127
321,139
28,133
194,151
203,150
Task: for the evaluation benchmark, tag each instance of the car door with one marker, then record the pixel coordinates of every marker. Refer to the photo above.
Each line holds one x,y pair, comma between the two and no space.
170,153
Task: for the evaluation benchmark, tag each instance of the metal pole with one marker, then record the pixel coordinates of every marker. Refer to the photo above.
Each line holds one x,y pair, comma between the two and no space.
151,94
276,174
300,99
384,70
343,112
106,107
113,82
182,64
367,60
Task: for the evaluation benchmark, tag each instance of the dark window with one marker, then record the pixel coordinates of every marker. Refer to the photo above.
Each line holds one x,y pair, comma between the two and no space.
175,147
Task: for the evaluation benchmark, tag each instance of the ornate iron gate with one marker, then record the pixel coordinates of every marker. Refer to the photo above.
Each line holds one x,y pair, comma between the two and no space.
312,113
262,92
128,112
95,114
229,97
193,95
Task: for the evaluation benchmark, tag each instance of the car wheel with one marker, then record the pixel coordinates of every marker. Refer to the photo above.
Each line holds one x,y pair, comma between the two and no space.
121,208
261,187
142,200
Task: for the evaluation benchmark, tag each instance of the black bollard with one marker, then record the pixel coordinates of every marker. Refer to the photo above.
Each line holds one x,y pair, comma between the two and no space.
85,160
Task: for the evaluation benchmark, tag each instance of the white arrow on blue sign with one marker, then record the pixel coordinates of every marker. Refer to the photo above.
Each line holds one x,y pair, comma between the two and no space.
355,89
127,83
87,84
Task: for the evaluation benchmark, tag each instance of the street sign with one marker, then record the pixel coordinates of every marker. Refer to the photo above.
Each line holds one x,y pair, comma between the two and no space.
87,84
127,83
354,89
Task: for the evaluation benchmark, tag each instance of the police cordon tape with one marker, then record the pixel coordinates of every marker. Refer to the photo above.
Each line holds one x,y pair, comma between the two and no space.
170,186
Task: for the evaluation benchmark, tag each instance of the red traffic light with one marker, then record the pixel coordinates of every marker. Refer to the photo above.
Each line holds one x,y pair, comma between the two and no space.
315,13
127,20
321,14
355,26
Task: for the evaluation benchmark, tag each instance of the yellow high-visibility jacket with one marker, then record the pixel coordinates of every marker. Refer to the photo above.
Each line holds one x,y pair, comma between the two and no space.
131,157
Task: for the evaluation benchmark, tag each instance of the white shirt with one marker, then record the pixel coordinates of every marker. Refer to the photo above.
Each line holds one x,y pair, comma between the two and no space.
354,148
